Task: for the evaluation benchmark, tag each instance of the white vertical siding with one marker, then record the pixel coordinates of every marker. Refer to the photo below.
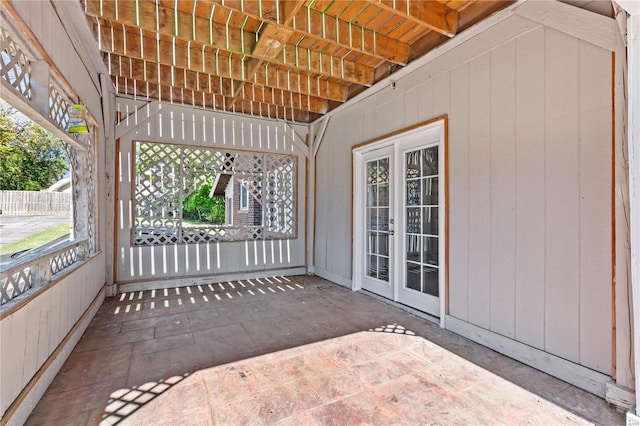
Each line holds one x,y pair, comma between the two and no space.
30,335
503,189
595,190
529,183
479,240
530,195
459,192
562,189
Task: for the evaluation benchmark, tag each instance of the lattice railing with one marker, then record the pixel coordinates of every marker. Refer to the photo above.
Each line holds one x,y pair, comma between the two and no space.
167,174
59,107
15,67
38,270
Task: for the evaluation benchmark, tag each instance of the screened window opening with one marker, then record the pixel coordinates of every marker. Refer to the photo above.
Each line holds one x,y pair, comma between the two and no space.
189,195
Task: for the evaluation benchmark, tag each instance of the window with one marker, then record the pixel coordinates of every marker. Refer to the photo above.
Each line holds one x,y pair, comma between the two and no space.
244,197
184,194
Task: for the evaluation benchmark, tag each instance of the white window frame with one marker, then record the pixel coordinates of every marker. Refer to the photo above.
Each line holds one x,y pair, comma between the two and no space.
244,197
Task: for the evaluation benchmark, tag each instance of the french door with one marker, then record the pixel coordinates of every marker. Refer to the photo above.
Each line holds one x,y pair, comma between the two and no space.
398,220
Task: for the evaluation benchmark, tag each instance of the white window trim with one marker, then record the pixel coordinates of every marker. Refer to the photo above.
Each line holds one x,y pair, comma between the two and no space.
244,197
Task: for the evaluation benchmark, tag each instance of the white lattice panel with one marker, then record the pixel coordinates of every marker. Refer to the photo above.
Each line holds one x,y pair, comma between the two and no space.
15,283
280,194
167,174
58,107
15,67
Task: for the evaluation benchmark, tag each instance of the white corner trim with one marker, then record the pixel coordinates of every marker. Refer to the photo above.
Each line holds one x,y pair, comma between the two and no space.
574,21
578,375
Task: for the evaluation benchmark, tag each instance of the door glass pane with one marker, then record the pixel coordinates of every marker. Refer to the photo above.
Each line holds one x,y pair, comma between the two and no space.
413,192
372,195
372,266
413,248
383,194
413,220
413,164
430,161
430,220
383,219
413,276
430,278
430,191
377,216
372,218
383,244
372,240
430,247
383,268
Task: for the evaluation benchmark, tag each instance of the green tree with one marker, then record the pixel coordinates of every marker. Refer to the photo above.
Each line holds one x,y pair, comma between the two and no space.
31,158
201,207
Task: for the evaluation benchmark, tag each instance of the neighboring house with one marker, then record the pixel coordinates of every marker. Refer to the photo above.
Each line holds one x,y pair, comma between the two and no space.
242,207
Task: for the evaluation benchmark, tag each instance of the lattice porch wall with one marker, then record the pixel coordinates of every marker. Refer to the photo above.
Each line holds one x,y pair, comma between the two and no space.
265,157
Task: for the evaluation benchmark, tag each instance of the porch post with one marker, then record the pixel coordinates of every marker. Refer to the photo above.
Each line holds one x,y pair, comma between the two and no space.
633,101
311,200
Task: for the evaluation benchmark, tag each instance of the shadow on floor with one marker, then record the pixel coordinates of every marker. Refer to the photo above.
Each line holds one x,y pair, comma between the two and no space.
278,332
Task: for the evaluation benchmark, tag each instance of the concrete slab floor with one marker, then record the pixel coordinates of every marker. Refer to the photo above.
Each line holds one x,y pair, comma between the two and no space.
293,351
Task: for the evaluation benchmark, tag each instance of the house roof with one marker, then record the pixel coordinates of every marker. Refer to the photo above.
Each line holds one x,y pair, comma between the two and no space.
285,59
220,184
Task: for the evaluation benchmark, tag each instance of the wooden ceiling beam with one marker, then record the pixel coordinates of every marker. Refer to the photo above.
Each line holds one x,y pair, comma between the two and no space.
318,26
166,75
211,61
130,87
429,13
272,39
133,16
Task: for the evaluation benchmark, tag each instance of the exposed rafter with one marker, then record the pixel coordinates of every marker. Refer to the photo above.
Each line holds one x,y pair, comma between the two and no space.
199,32
285,59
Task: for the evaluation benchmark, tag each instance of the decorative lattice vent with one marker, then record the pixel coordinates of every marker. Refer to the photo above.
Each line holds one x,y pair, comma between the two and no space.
166,175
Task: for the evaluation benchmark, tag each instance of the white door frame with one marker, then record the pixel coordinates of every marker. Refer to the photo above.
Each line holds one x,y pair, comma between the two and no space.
433,129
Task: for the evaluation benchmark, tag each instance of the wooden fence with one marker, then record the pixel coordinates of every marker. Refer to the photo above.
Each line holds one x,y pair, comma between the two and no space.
35,203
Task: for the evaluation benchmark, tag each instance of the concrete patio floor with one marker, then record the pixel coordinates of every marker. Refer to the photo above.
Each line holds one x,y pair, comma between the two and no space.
296,350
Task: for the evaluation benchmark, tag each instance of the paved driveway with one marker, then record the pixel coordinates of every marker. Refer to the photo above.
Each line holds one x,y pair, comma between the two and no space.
14,228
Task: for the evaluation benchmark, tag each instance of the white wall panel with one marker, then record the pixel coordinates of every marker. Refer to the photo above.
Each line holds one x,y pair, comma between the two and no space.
503,189
562,195
459,193
480,190
530,194
595,188
529,175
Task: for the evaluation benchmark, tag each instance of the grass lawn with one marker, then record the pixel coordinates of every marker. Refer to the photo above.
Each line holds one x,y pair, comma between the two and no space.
36,240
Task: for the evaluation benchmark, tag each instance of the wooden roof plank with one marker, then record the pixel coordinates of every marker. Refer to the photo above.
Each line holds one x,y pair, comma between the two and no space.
231,39
190,97
429,13
134,69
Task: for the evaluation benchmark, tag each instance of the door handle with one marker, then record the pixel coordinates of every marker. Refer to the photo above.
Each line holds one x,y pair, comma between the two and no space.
391,232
